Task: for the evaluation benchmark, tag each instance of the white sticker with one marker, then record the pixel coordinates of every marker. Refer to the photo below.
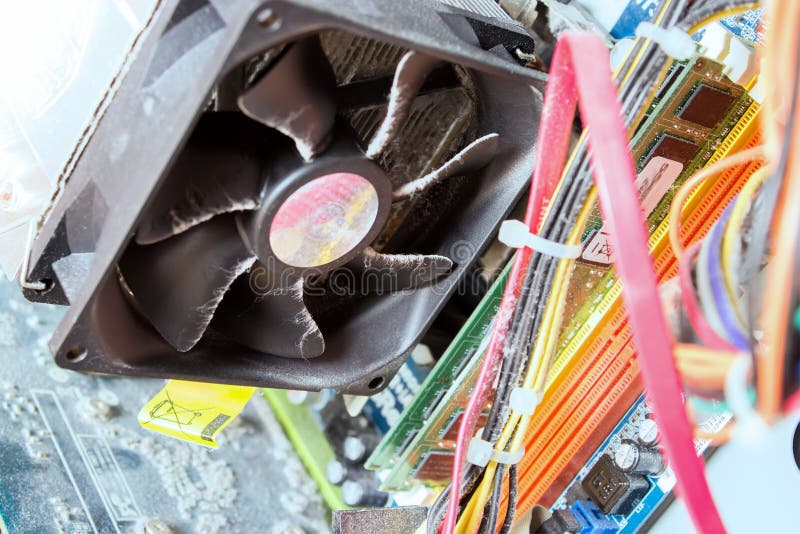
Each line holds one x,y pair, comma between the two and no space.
653,183
666,481
598,249
655,180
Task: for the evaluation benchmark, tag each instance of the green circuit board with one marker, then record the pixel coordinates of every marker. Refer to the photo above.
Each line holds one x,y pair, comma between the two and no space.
453,363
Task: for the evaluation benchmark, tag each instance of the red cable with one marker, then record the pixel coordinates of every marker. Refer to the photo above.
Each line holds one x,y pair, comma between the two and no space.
792,404
553,140
614,177
696,318
580,66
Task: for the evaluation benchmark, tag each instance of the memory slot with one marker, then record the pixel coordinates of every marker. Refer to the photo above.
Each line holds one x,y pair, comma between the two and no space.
570,391
621,377
696,214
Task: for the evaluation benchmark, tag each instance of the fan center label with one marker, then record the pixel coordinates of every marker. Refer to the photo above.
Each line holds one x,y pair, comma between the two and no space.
323,220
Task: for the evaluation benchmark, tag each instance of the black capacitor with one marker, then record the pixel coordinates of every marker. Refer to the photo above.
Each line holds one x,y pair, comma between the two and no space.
637,483
638,486
648,433
335,472
358,493
354,449
632,458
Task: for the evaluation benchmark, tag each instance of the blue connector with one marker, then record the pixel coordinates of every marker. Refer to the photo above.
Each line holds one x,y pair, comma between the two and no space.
592,520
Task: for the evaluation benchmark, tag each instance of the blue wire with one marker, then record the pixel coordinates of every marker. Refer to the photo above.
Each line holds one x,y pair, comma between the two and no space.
722,301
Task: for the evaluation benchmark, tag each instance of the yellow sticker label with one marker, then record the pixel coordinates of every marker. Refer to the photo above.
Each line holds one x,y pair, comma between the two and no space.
194,411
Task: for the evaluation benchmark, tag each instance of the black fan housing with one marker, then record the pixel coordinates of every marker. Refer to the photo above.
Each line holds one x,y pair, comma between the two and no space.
169,240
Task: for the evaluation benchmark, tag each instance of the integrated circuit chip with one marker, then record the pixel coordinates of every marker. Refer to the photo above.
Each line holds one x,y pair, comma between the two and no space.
672,148
452,430
674,74
707,106
436,467
605,484
613,491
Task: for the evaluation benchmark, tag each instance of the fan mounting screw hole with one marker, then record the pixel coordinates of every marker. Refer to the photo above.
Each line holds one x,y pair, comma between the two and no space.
76,354
46,285
375,383
268,19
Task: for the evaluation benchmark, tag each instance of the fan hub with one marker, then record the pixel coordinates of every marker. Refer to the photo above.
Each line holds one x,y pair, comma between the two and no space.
323,220
315,216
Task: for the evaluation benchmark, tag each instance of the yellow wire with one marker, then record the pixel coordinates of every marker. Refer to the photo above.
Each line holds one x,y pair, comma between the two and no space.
473,512
491,468
721,15
730,239
703,367
683,192
535,378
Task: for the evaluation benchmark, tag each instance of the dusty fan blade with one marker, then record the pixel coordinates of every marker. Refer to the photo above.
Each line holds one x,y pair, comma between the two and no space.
411,72
219,171
269,319
295,97
178,283
472,157
385,273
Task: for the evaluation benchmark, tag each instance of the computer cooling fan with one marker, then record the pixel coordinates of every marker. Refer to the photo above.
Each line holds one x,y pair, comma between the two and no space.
286,193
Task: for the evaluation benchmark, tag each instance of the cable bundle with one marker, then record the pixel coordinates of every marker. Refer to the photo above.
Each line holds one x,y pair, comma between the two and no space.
526,350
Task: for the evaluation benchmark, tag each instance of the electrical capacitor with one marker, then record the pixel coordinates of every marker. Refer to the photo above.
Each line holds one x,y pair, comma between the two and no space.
358,493
648,433
335,472
354,449
631,458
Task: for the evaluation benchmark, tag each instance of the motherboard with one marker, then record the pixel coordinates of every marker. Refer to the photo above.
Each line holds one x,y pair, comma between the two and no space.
430,266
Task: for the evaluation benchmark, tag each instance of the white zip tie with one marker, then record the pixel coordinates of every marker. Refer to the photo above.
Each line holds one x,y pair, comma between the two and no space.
481,452
516,234
524,401
673,41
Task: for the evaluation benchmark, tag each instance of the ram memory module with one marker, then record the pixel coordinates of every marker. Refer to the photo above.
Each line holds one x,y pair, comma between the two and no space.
448,370
679,137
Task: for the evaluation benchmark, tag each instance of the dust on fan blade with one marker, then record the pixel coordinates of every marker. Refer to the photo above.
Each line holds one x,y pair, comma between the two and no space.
295,97
219,171
178,283
411,72
384,273
471,158
262,315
